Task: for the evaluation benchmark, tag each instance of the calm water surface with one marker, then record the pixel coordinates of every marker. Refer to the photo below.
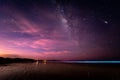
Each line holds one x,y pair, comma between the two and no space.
50,71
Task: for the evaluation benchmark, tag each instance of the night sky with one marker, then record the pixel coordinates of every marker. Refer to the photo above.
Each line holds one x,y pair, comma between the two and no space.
60,29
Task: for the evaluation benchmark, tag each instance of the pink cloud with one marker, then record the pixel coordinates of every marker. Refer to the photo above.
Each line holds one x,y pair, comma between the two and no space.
19,42
49,44
56,52
25,25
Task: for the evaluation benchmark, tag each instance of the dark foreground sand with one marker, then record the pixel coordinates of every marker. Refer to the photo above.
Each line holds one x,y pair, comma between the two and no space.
59,71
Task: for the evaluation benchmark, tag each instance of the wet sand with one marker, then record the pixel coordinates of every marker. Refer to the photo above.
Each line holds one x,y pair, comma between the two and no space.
59,71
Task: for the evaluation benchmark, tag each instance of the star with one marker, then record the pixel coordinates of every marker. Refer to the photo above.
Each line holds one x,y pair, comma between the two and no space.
106,22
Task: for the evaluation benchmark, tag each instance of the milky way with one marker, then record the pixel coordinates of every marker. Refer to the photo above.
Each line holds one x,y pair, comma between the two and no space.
59,29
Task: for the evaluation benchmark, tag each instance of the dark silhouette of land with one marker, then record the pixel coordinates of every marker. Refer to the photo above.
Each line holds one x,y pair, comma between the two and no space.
15,60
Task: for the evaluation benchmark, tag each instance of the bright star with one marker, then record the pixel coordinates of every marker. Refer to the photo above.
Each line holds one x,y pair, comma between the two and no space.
106,22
